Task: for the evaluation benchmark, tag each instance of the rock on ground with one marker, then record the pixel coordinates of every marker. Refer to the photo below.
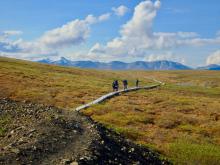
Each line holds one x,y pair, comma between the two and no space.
37,134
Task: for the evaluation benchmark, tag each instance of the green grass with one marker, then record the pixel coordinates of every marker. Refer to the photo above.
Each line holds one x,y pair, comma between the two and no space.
181,152
160,118
59,86
4,121
214,92
188,106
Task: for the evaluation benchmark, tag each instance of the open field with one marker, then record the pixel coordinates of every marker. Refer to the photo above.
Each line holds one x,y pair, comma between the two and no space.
181,120
59,86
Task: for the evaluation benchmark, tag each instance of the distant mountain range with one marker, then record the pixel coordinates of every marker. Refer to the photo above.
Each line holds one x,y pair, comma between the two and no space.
210,67
118,65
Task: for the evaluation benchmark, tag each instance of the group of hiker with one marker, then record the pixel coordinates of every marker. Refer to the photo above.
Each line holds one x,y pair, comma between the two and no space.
115,84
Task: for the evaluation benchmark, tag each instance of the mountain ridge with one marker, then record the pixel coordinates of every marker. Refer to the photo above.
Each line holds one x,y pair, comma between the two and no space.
118,65
210,67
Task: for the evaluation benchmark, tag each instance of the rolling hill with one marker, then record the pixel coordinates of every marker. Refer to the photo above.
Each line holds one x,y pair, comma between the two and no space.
62,87
180,120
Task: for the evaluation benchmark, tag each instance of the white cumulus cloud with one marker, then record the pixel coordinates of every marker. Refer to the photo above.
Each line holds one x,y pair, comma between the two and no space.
72,33
213,58
168,56
4,35
120,11
104,17
137,36
136,39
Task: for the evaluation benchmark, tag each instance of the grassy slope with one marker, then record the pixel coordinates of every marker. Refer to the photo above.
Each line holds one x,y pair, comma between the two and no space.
52,85
181,120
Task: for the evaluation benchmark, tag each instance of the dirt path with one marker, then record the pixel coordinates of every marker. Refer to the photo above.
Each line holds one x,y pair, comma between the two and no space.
38,134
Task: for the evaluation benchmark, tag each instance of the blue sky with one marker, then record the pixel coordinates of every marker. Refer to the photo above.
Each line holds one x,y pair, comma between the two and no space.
35,29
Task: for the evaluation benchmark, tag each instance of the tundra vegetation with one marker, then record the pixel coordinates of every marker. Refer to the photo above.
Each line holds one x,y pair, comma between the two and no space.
180,120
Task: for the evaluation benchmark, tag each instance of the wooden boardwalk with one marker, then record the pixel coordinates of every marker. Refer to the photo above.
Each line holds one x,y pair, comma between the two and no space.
112,94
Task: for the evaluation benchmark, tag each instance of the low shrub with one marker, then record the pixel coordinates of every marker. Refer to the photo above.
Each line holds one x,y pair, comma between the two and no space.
187,152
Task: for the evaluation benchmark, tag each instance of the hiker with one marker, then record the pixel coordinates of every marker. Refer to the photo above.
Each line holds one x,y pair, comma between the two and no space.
115,85
137,83
125,83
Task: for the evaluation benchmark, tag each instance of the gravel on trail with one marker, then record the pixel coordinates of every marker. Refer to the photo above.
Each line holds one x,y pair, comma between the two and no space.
37,134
